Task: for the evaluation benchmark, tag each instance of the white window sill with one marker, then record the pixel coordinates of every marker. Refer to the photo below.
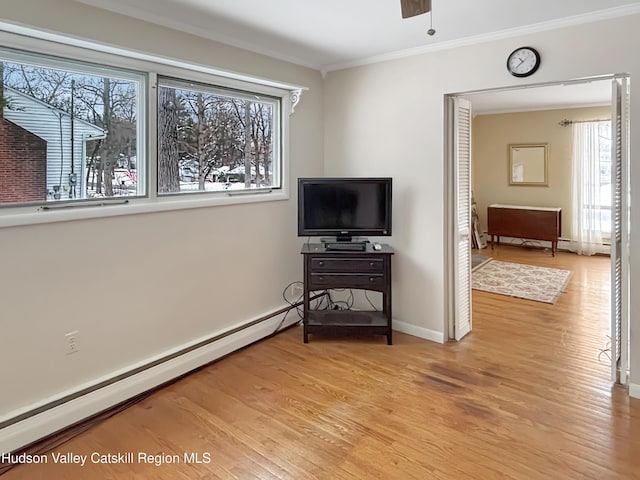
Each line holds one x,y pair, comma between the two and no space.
135,206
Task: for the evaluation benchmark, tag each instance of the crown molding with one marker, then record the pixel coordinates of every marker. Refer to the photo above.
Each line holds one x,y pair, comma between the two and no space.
592,17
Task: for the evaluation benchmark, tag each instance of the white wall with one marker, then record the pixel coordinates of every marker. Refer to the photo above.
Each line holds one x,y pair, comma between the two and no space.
387,119
144,284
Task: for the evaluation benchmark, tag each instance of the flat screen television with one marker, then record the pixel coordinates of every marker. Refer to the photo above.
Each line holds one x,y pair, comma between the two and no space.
344,207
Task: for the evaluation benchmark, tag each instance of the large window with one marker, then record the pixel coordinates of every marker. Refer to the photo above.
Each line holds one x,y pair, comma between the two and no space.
97,127
212,139
69,130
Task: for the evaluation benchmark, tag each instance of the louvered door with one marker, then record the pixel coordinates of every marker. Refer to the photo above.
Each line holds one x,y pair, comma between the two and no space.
619,232
462,239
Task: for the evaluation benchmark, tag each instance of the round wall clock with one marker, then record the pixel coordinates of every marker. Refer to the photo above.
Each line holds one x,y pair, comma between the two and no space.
523,61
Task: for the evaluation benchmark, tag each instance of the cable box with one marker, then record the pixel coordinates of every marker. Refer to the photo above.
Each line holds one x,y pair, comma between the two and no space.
346,246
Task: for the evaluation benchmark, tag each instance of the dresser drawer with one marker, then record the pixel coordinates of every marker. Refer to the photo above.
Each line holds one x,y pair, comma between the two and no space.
346,280
359,265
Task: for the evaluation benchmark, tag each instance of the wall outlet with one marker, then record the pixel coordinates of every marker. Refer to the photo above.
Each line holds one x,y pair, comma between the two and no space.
72,344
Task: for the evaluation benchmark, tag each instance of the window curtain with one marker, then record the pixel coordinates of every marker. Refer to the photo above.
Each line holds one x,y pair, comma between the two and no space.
587,224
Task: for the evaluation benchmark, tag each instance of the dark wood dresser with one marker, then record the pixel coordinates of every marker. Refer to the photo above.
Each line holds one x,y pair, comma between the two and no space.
534,223
363,270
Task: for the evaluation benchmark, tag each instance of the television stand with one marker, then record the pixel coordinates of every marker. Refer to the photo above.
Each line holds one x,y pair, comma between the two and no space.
346,246
366,269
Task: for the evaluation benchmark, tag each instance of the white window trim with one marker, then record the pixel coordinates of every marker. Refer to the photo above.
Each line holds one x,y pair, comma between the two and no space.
278,106
48,43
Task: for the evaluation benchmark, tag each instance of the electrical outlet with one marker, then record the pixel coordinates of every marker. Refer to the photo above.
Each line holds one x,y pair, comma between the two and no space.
296,290
72,342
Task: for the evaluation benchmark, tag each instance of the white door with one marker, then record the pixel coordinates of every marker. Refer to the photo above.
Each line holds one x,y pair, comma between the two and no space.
619,231
462,216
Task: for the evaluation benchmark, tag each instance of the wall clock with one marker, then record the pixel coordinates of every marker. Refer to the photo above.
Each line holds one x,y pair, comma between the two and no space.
523,61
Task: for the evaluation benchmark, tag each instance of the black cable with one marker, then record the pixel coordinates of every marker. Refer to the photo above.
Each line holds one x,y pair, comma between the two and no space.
324,296
370,302
294,304
281,322
340,304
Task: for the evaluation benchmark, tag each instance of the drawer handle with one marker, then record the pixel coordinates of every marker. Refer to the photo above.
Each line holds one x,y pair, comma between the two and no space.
320,279
372,279
372,264
321,264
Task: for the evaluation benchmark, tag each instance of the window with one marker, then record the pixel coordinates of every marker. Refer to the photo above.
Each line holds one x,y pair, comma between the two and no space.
69,131
212,139
591,164
86,125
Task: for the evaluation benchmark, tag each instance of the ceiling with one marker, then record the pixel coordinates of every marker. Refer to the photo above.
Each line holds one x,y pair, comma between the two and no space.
331,34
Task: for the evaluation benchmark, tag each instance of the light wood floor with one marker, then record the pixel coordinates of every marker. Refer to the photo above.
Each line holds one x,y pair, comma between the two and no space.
525,396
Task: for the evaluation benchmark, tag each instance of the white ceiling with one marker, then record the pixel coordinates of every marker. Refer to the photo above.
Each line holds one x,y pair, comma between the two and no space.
329,34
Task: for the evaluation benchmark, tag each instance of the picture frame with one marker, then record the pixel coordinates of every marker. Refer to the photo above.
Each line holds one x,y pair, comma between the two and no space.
527,164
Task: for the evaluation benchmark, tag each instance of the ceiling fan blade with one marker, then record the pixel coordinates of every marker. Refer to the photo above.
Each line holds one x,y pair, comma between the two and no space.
411,8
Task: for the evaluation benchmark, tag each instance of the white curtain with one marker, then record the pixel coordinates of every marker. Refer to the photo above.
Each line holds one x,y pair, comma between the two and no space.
587,225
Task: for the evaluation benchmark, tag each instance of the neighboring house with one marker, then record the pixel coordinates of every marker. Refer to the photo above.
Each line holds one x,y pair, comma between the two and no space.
54,127
23,164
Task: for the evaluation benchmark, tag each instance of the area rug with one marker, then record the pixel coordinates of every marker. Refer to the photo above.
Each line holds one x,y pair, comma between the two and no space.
531,282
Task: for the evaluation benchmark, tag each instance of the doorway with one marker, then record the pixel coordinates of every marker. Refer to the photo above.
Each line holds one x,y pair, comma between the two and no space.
458,201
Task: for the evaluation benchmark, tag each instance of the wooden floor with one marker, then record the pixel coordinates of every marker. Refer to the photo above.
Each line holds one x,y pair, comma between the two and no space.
525,396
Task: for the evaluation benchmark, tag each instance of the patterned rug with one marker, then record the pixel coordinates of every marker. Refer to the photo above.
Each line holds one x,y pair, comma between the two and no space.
541,284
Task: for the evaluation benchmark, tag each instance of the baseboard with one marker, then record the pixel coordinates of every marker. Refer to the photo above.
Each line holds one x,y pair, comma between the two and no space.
420,332
29,430
542,244
563,244
634,390
568,246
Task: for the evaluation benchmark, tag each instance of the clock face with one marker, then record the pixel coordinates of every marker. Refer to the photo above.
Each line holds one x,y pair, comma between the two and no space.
523,62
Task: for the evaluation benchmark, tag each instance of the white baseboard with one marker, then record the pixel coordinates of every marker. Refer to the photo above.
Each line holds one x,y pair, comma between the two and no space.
520,241
563,244
38,426
420,332
634,390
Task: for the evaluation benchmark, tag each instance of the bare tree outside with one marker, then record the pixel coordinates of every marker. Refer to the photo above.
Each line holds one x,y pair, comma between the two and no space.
222,142
209,138
168,173
247,144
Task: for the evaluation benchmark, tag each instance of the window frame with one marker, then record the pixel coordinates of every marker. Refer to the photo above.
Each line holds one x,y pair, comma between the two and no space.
276,101
57,62
70,49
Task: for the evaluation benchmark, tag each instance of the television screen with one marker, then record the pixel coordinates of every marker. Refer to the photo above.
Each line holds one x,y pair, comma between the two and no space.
344,206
